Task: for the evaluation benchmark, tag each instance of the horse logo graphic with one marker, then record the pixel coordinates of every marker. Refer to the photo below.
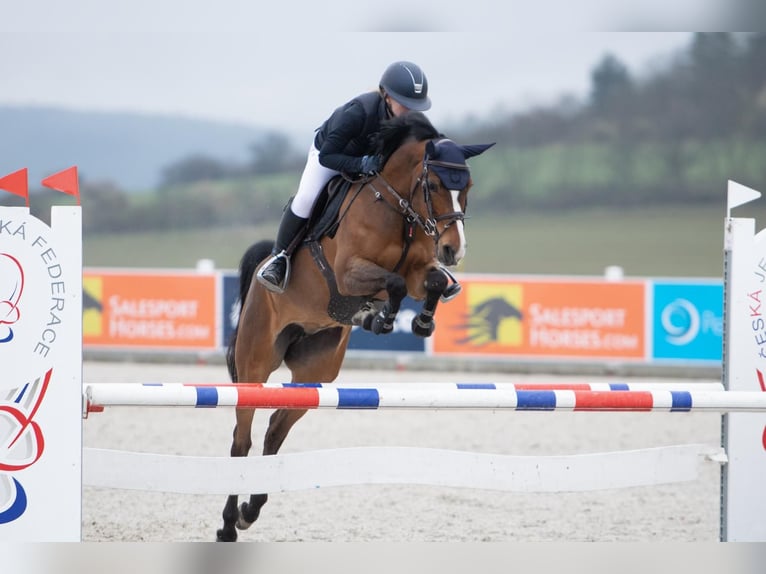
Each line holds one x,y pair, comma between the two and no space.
11,287
483,322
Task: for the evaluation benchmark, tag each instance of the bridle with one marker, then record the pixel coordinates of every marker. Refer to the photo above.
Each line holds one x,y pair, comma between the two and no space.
404,204
411,217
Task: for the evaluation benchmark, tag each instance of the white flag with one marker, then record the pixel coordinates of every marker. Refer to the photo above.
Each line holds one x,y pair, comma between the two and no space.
739,195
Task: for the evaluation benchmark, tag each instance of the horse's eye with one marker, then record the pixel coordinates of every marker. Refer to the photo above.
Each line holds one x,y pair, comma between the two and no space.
433,187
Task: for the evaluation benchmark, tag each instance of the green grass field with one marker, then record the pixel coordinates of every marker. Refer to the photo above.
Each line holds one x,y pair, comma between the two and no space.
651,242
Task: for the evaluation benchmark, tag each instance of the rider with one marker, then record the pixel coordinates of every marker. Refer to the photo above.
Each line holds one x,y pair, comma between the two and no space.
342,144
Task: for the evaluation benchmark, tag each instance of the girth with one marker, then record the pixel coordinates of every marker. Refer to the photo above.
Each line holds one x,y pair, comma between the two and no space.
341,308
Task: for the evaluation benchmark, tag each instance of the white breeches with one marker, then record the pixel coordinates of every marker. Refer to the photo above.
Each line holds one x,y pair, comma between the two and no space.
314,178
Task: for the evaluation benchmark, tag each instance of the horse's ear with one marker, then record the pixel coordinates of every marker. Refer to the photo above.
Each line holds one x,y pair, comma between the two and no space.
431,149
475,149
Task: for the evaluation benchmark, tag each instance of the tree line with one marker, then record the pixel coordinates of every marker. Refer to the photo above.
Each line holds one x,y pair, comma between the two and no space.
675,134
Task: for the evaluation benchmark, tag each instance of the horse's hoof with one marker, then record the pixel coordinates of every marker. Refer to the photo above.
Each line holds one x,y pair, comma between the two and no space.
250,511
243,523
422,329
381,326
226,535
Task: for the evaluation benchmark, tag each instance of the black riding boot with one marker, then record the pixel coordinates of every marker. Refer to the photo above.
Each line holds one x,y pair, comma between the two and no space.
276,271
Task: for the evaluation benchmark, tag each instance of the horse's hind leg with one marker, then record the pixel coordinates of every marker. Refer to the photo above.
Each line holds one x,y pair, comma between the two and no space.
242,517
436,282
240,446
314,359
280,424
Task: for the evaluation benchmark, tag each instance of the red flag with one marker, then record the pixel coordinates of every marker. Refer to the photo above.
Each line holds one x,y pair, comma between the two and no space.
16,183
64,181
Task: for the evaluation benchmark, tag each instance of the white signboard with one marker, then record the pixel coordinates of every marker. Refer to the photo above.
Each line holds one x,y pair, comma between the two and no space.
40,375
744,434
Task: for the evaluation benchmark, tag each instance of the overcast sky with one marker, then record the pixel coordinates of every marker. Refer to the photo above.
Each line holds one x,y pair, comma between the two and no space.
287,65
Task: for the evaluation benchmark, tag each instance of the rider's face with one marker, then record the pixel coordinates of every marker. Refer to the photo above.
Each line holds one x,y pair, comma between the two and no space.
396,108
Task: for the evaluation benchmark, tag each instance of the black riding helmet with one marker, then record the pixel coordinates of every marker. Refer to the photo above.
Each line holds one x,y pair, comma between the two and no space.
406,83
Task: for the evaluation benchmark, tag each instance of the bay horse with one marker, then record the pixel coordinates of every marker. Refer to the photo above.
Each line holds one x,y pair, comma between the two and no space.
393,236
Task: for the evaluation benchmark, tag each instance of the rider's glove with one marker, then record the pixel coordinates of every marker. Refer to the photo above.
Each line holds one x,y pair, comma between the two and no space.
370,164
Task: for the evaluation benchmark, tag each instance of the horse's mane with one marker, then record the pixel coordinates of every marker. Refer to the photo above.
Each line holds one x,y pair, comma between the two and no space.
395,131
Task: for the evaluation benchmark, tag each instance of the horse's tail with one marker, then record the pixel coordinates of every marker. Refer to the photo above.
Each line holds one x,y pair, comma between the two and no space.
247,266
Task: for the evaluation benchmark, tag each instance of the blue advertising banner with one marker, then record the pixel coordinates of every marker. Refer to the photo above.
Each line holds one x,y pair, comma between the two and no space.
400,339
688,321
230,307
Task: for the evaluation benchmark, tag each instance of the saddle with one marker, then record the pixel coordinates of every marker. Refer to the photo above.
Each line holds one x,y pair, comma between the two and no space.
324,218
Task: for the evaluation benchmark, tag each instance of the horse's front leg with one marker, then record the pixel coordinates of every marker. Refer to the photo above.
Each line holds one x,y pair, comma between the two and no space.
362,277
383,321
436,283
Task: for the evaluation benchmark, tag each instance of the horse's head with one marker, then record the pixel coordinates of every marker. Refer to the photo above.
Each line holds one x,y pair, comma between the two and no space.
418,157
446,181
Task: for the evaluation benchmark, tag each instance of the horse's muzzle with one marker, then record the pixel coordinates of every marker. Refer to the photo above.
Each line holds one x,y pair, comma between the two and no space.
448,255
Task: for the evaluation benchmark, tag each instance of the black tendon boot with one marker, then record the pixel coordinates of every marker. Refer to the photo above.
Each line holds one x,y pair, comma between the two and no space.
276,271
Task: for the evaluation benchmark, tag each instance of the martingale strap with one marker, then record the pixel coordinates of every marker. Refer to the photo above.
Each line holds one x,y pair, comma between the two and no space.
409,233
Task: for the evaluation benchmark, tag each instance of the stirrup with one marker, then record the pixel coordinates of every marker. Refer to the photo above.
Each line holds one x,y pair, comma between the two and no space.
452,290
268,284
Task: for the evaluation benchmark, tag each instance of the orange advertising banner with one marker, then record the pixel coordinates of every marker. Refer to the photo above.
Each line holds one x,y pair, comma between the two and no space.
149,310
544,319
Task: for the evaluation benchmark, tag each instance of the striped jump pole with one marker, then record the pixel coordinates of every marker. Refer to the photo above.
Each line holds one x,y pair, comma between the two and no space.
428,396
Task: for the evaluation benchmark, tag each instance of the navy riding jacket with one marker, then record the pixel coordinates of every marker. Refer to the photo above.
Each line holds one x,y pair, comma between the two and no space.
348,133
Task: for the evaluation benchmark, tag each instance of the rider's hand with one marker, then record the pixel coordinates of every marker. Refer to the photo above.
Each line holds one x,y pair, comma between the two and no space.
371,164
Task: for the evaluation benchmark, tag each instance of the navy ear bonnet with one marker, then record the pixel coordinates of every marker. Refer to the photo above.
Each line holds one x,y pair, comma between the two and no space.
447,160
